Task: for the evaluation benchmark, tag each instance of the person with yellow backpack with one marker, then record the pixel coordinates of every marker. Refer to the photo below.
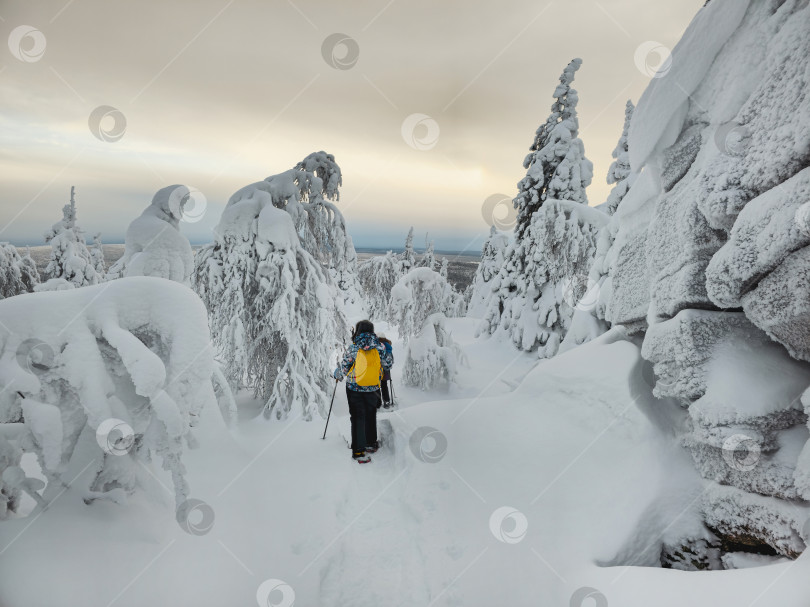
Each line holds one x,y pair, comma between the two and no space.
362,365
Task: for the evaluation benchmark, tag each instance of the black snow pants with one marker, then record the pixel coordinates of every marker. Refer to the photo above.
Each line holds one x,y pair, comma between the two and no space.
363,414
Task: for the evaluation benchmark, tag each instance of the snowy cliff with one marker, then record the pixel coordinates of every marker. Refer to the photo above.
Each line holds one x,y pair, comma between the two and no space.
709,264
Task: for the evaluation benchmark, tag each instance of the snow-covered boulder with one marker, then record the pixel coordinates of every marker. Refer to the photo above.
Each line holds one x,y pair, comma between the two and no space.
681,348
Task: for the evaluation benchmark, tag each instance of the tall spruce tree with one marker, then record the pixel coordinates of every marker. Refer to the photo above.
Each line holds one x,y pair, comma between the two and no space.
545,268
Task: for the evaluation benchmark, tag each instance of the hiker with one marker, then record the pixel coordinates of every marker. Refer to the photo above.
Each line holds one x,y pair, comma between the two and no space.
362,365
386,387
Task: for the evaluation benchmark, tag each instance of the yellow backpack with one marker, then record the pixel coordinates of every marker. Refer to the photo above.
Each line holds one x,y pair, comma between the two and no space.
367,368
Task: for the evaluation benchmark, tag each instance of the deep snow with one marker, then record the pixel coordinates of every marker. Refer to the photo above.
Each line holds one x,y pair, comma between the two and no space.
524,492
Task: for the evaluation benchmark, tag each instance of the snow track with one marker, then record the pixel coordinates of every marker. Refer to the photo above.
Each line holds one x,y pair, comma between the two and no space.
377,556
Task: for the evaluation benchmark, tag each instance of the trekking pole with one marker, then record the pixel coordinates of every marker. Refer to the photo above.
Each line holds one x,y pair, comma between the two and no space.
330,409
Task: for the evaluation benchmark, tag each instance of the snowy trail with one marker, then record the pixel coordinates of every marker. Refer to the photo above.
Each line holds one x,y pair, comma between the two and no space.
377,560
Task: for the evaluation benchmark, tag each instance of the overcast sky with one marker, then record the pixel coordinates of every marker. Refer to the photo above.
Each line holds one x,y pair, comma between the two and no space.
217,94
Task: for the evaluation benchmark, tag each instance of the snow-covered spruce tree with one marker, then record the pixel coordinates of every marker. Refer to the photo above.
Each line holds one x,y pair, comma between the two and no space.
545,269
377,276
556,163
431,357
70,259
619,171
600,275
17,274
133,366
443,268
429,258
407,259
97,254
492,255
274,312
154,245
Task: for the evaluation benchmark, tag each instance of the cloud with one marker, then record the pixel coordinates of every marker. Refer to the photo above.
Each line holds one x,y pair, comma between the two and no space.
219,94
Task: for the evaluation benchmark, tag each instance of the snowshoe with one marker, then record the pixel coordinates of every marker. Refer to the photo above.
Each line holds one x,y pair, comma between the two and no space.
361,458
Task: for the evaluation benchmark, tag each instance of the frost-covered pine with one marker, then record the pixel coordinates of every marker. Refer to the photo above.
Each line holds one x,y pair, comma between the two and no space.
443,268
70,258
308,192
154,245
492,255
416,306
407,259
377,276
619,171
97,254
274,312
17,274
557,167
429,258
545,271
30,274
128,376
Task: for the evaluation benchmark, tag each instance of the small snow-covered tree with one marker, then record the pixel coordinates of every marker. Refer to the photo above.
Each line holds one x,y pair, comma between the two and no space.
443,268
275,315
429,258
133,366
545,269
619,171
97,254
377,276
70,259
492,256
416,306
29,273
17,274
154,245
407,259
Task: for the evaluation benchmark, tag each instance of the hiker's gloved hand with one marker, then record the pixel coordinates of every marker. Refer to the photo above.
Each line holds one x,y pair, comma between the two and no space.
337,375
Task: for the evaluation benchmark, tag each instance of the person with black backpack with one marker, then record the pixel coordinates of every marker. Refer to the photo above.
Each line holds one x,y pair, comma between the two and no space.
387,389
362,365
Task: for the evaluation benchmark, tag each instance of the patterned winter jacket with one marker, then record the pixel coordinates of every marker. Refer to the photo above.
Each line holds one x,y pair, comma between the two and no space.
366,341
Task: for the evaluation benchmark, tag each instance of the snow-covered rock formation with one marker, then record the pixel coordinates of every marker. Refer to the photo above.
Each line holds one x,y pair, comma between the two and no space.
707,258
